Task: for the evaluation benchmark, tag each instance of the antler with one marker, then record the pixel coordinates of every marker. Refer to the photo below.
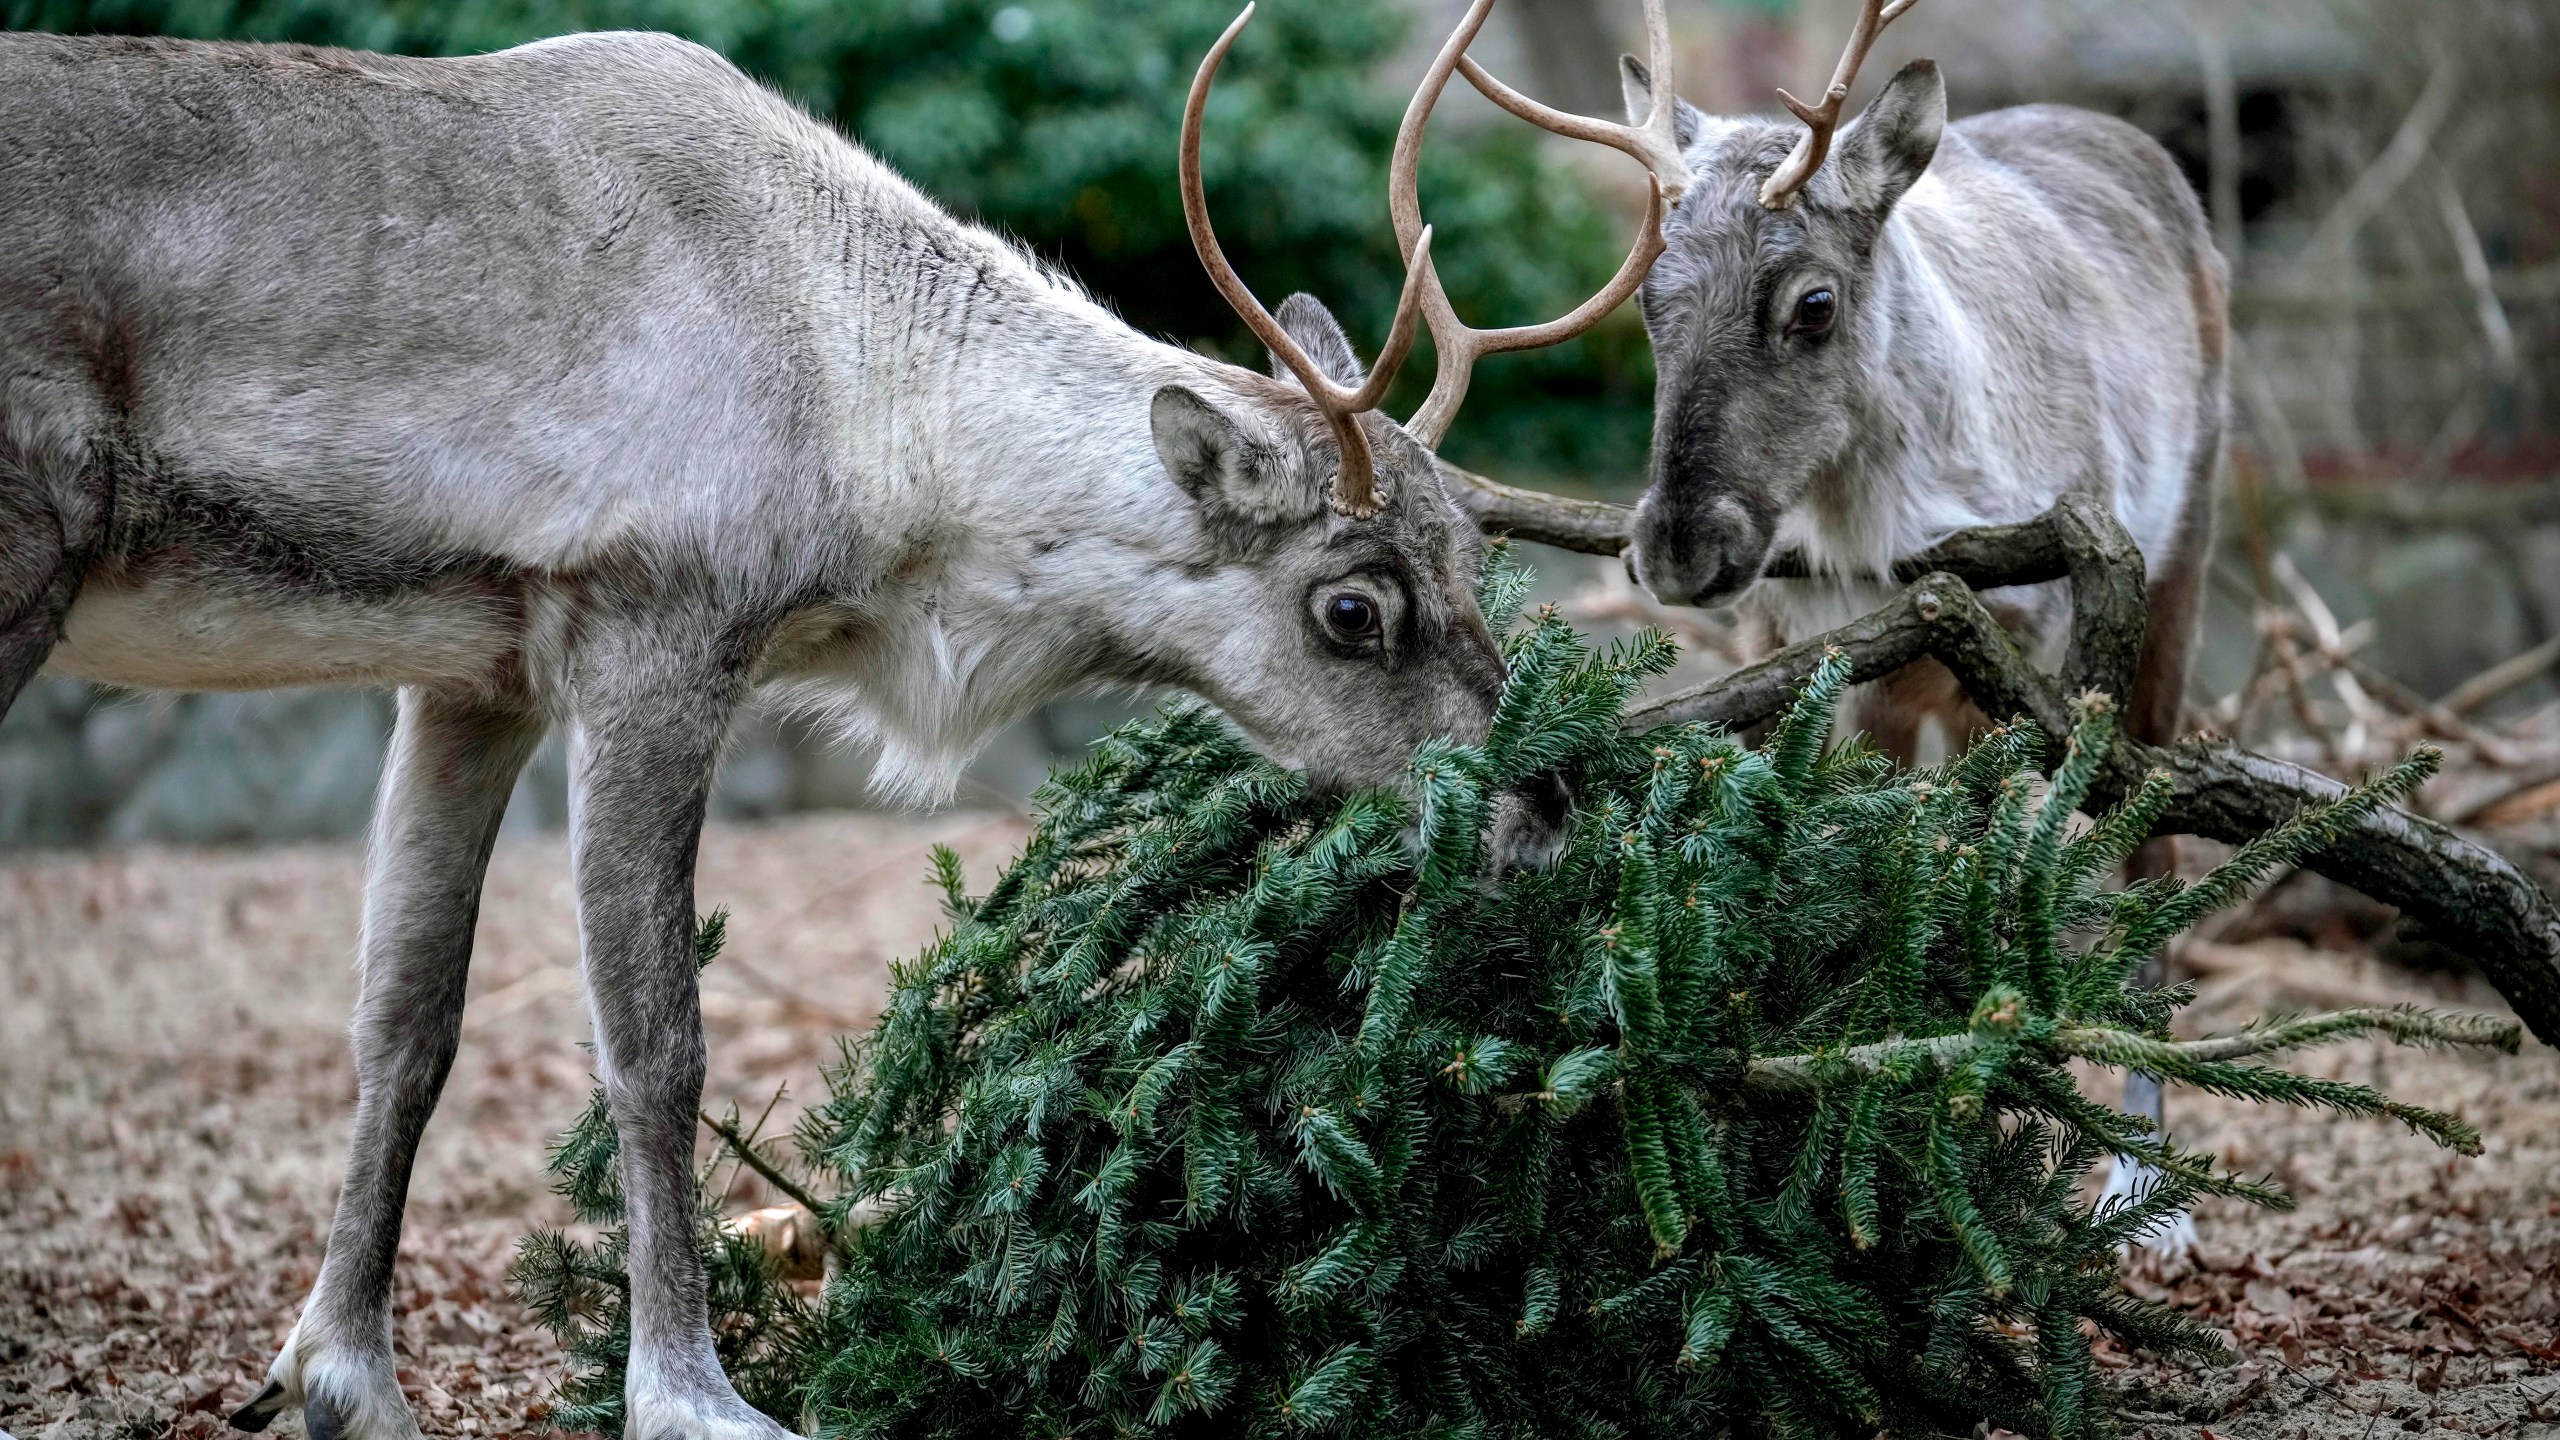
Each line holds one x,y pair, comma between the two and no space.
1652,143
1355,491
1779,190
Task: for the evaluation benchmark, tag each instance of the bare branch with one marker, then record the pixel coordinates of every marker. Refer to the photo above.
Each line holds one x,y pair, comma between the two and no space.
1588,527
747,1156
2527,790
2392,168
2435,719
2500,335
2500,678
2363,715
2331,295
2222,138
1912,626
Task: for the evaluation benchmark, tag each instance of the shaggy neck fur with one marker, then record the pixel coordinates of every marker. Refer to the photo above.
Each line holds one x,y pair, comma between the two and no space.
1944,438
1039,545
2002,364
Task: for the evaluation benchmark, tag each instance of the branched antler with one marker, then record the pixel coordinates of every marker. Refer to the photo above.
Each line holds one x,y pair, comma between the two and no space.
1355,483
1820,121
1460,345
1651,143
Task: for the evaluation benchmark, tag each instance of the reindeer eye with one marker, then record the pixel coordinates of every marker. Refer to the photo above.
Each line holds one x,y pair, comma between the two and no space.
1351,615
1815,312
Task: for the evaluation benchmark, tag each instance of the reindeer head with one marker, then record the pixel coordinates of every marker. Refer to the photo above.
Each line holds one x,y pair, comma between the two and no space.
1347,636
1761,315
1365,638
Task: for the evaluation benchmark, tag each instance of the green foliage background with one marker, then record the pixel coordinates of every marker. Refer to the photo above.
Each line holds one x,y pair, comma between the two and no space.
1058,124
1235,1109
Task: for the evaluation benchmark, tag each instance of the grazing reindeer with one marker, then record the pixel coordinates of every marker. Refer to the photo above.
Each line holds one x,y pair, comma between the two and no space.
592,384
1941,327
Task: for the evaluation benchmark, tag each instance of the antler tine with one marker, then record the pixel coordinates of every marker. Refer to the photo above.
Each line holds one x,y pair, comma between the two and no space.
1355,490
1779,190
1652,144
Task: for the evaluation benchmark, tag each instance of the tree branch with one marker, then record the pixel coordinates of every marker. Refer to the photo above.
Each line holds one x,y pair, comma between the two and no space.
747,1156
1589,527
2121,1047
2458,890
2461,892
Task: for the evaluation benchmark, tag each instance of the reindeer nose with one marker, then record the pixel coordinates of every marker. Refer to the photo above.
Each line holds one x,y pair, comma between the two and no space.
1694,554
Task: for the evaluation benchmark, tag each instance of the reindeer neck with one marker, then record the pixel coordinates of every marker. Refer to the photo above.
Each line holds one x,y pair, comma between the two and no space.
1926,454
1000,451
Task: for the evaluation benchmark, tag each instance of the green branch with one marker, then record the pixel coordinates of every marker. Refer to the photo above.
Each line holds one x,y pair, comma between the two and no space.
2123,1048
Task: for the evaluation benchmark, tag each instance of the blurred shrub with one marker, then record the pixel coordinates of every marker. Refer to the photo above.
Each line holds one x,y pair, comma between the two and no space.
1055,120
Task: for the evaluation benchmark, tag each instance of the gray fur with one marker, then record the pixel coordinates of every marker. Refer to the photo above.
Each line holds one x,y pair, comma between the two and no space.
591,384
2029,304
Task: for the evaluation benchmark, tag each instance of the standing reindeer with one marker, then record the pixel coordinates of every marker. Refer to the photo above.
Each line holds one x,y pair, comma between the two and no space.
1866,346
592,384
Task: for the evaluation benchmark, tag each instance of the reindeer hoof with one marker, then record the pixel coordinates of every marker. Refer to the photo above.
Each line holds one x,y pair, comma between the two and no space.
323,1419
259,1412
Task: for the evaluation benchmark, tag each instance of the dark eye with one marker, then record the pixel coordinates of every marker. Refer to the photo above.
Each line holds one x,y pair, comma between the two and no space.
1351,615
1815,312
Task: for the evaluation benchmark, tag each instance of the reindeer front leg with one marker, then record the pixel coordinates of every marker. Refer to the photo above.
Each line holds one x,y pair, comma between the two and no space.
648,712
444,788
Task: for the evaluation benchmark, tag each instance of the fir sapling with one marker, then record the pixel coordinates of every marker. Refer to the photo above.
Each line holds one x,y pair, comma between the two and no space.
1235,1109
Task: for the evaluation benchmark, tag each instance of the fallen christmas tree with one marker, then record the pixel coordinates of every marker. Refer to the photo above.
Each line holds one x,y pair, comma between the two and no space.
1235,1109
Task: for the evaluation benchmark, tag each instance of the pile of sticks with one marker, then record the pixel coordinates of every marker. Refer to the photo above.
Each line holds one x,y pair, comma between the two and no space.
2343,715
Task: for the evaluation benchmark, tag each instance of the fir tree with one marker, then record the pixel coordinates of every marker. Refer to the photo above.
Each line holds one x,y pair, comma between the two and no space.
1231,1108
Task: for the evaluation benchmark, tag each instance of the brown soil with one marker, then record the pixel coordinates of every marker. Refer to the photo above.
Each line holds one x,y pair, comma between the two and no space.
2411,1291
174,1090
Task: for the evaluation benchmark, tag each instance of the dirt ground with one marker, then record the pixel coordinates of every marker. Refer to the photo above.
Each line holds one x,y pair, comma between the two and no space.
174,1091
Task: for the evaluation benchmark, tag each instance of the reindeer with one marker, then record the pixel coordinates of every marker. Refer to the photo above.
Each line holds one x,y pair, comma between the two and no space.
1943,326
592,384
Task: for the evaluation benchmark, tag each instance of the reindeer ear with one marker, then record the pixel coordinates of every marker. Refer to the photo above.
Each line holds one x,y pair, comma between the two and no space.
1235,479
1635,86
1320,335
1885,151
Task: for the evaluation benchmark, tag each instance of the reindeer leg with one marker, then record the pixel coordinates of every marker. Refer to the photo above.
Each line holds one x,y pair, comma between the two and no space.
444,788
2174,604
648,713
